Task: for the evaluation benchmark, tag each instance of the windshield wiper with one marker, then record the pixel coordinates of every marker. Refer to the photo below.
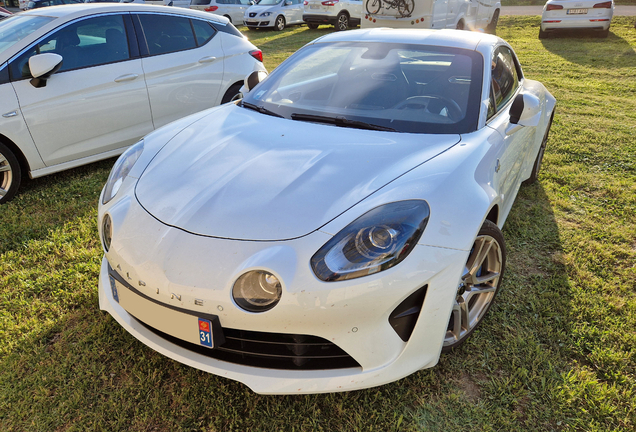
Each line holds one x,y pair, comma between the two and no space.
341,121
260,109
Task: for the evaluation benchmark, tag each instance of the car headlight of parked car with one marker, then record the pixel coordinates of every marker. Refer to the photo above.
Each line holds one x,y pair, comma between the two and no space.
265,14
376,241
120,170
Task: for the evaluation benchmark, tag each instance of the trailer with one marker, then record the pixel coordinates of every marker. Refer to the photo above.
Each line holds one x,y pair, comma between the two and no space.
478,15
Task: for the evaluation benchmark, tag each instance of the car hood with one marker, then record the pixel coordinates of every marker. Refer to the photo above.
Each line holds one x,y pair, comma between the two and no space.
261,9
239,174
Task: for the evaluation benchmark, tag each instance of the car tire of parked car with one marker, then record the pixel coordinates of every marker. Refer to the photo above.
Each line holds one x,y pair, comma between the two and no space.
478,286
10,174
542,34
232,93
279,24
534,176
342,21
492,26
312,26
460,25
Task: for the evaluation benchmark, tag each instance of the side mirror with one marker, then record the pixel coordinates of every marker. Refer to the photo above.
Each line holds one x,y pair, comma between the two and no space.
288,2
525,111
42,66
252,80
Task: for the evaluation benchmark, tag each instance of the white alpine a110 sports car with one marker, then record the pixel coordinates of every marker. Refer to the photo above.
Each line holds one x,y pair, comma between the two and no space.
337,228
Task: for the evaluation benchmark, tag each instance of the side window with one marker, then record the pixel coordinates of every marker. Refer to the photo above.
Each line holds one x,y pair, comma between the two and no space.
166,34
203,31
86,43
504,77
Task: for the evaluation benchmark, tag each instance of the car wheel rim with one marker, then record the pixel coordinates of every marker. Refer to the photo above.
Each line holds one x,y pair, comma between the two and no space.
343,23
280,25
6,176
476,290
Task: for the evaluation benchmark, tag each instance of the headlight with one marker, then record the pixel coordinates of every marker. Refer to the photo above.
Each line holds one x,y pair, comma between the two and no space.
376,241
257,291
265,14
120,170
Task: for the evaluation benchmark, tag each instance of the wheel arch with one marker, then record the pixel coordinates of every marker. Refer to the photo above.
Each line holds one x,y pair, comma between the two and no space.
22,160
493,214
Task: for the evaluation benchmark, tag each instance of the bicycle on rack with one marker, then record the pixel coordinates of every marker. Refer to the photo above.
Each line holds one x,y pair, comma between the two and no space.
404,7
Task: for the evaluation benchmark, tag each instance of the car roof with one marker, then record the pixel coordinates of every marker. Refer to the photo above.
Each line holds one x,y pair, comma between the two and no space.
446,38
80,9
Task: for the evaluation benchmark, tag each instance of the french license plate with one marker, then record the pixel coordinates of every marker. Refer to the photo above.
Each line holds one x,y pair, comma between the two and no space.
314,7
577,11
205,333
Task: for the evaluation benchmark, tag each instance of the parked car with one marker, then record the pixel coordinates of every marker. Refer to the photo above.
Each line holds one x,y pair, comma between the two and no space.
4,13
276,14
479,15
234,10
588,15
35,4
81,83
338,227
342,14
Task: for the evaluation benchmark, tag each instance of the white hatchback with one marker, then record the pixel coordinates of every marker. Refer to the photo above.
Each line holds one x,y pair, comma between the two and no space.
230,9
274,13
83,82
576,15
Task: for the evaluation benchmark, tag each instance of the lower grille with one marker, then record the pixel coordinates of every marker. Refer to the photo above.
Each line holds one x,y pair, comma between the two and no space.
271,350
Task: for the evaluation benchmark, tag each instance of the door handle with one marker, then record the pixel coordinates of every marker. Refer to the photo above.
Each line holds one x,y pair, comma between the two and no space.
209,59
128,77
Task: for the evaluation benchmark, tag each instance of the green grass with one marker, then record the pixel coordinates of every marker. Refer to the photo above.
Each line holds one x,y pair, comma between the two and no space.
555,353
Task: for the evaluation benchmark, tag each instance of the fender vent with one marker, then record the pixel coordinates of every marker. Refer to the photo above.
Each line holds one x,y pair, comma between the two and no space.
404,317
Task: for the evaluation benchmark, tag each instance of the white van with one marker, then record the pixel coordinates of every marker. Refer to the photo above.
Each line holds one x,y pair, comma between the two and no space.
234,10
480,15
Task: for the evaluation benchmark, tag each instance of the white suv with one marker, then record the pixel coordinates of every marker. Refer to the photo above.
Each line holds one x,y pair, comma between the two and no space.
342,14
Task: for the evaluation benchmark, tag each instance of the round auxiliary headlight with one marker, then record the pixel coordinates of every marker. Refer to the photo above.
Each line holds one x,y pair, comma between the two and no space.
107,231
257,291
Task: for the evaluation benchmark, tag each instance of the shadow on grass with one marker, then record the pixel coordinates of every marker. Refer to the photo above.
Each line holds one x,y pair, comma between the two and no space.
576,47
57,198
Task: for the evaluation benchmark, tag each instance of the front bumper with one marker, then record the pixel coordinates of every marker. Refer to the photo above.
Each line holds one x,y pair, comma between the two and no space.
194,275
256,23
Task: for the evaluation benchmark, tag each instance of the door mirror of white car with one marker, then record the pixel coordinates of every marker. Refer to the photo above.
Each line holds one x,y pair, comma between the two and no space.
525,111
42,66
252,80
288,2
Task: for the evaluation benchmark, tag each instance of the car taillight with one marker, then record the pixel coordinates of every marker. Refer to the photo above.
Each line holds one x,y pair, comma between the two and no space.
257,54
305,3
329,2
553,7
211,8
604,5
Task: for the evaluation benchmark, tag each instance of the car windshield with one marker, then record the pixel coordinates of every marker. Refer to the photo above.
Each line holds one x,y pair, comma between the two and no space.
17,27
401,87
268,2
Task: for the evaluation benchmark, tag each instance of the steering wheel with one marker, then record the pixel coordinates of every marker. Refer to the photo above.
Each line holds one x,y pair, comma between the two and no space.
433,104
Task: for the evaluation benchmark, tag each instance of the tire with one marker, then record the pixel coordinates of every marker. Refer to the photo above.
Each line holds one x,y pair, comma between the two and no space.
342,22
475,297
373,6
492,25
460,25
405,8
232,93
534,175
312,26
10,174
279,24
542,34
